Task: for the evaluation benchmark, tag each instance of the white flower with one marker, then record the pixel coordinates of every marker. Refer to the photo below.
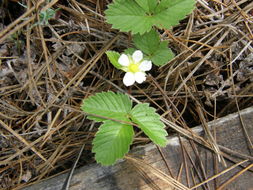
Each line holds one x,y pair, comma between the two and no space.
135,67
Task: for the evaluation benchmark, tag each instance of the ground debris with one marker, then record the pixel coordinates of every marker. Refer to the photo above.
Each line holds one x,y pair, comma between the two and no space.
47,69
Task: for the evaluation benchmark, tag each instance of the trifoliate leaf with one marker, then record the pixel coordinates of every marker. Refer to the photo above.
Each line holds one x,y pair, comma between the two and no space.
149,122
138,16
107,104
158,52
112,142
113,56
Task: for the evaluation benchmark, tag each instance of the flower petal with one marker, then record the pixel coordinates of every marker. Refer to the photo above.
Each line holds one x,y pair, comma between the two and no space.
145,65
123,60
129,79
140,77
137,56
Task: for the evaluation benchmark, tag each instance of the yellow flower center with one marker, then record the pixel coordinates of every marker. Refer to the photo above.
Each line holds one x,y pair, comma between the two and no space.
134,68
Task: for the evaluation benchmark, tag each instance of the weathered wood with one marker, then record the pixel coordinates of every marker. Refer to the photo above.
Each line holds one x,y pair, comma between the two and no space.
125,175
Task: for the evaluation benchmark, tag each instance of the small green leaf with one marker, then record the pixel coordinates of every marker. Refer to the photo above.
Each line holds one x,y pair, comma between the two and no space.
112,142
129,51
162,55
113,56
107,104
148,42
158,52
138,16
149,122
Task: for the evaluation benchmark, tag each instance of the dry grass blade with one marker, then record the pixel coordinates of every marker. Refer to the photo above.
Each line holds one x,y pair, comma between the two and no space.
171,181
10,30
200,63
8,128
219,174
234,177
20,152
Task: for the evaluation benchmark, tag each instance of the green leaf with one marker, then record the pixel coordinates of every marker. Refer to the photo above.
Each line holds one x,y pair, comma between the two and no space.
149,122
107,104
127,16
113,56
112,142
138,16
158,52
169,12
147,5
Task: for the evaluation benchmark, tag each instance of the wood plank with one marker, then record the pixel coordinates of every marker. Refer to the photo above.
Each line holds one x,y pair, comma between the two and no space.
128,176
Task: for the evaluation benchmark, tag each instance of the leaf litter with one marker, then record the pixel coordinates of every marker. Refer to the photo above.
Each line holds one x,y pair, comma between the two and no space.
46,71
